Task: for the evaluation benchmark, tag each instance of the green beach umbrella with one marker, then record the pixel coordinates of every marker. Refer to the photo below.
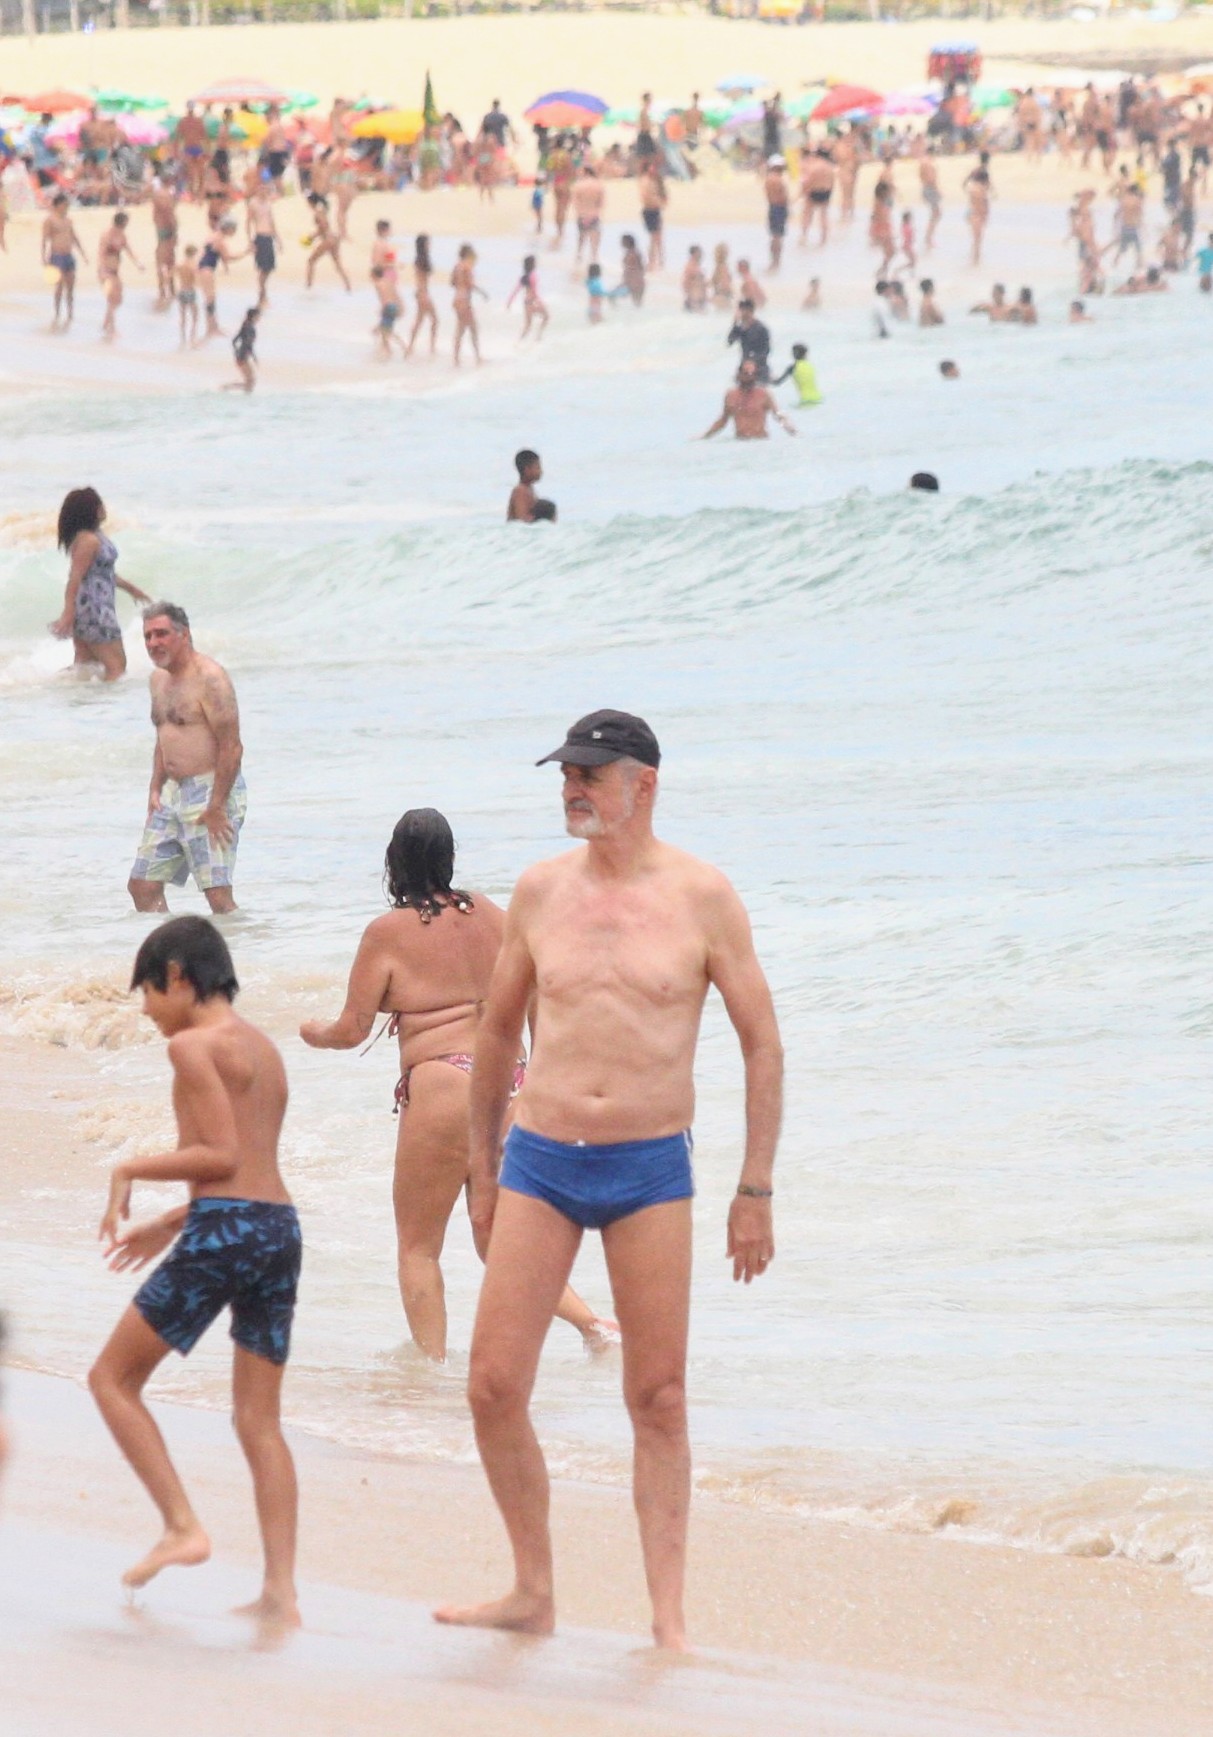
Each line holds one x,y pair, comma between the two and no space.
127,102
992,96
301,99
627,116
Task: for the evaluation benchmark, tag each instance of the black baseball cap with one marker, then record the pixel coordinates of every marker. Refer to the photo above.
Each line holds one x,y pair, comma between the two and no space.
601,737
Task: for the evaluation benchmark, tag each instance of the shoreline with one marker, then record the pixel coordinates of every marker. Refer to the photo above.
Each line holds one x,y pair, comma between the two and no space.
894,1628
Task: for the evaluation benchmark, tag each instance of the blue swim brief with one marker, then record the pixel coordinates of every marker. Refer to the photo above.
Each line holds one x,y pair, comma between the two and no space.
595,1185
243,1252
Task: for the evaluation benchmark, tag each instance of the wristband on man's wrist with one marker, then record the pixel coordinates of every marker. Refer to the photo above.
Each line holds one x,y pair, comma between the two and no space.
752,1193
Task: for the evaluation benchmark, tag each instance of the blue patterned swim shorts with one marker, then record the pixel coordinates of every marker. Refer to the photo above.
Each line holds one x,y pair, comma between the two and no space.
243,1252
176,844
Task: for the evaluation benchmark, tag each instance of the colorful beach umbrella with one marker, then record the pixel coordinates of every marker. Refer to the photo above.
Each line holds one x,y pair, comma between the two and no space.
397,126
800,108
907,102
566,108
847,99
142,130
126,102
54,102
239,92
992,96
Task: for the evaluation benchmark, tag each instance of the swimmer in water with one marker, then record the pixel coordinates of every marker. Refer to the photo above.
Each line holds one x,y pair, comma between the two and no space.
949,370
803,376
632,276
1079,315
523,499
748,405
812,297
694,283
532,302
929,312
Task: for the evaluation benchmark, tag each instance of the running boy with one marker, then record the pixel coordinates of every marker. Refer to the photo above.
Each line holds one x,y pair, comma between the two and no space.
236,1242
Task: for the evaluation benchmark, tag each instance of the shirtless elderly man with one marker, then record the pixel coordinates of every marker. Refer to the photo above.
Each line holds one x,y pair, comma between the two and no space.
197,800
617,945
748,405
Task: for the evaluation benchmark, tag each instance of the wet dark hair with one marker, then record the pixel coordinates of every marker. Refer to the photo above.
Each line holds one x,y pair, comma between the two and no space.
421,256
419,863
925,481
525,458
81,511
544,510
199,952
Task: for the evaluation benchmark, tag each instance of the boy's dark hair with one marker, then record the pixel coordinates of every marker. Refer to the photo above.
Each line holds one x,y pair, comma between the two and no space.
524,459
199,952
925,481
543,510
800,351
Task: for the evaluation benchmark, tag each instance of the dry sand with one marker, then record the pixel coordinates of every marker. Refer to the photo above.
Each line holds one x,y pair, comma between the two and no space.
807,1625
518,57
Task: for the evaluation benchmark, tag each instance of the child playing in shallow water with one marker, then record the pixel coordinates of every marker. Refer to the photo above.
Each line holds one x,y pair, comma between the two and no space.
694,283
187,296
235,1243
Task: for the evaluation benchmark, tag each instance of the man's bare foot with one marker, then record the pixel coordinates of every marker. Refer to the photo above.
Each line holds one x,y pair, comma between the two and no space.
520,1612
175,1550
601,1335
277,1610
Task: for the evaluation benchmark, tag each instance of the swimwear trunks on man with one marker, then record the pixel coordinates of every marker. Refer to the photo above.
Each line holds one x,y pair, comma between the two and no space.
176,844
275,162
65,263
652,221
596,1185
246,1253
777,219
264,257
389,313
820,195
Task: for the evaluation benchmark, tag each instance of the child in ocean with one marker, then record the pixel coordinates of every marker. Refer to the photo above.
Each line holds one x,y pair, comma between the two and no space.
537,193
599,293
632,276
236,1242
532,302
244,351
694,283
187,296
802,375
384,330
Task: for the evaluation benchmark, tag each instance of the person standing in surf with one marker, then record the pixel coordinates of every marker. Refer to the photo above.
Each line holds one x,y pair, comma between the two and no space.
427,963
89,616
614,946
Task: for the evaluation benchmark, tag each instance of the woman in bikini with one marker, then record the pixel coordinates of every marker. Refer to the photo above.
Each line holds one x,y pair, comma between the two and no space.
463,282
426,963
423,271
215,253
114,244
325,243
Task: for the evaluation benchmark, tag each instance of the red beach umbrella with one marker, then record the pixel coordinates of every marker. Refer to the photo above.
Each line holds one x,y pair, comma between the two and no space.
840,99
54,102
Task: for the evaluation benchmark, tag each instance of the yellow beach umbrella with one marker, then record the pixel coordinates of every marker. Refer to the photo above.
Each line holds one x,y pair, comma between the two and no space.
397,126
253,126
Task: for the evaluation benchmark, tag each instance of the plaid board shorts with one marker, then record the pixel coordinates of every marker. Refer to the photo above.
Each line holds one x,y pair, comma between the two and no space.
175,843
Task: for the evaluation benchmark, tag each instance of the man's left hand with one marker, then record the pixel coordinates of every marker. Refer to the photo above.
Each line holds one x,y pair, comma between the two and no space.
217,825
751,1241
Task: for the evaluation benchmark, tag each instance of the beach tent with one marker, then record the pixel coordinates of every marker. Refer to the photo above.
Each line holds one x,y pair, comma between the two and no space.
566,108
951,62
847,99
397,126
238,93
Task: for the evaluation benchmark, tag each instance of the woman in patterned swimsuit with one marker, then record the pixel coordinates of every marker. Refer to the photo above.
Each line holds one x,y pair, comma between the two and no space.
427,964
89,617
